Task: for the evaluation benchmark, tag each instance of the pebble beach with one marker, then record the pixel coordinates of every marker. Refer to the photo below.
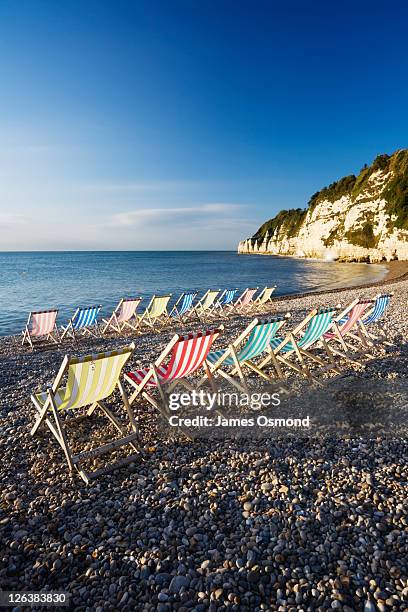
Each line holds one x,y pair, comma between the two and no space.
310,522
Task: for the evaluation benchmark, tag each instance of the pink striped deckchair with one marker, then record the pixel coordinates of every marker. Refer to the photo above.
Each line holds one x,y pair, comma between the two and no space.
245,300
188,355
123,316
346,326
41,325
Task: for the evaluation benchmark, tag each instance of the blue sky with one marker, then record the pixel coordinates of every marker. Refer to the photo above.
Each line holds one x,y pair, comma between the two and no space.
184,124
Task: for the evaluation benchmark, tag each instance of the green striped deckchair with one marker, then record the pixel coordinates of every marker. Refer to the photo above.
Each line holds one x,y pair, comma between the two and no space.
257,338
89,381
155,314
313,328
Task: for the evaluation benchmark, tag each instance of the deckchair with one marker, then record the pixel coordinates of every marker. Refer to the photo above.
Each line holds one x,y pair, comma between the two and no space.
123,315
257,337
244,302
205,306
182,306
41,325
313,327
226,298
380,305
155,314
346,326
187,354
263,300
84,321
89,381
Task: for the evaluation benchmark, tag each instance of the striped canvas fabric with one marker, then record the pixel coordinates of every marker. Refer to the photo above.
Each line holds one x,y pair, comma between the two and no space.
188,355
209,300
228,297
185,305
257,343
380,306
246,297
90,379
317,327
42,323
158,306
85,317
266,295
347,323
128,309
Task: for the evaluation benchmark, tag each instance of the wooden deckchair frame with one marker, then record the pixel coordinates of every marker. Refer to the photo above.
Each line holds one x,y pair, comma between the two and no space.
113,321
165,388
57,428
221,307
237,306
202,310
366,337
348,351
260,303
151,322
177,316
31,339
301,353
69,329
232,350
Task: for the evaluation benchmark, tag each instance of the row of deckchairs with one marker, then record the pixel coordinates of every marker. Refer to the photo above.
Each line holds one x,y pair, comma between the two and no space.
318,344
42,325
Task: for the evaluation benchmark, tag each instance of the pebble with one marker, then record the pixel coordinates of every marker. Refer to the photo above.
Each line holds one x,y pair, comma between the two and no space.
283,522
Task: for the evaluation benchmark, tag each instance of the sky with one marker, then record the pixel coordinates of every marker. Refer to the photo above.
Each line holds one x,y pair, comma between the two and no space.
186,124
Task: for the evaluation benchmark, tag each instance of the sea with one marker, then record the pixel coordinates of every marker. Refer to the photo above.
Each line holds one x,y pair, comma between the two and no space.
65,280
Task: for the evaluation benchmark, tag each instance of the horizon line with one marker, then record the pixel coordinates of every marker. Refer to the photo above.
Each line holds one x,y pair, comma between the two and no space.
119,251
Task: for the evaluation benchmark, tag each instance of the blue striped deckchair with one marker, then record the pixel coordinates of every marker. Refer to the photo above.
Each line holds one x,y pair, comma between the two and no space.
182,306
257,337
226,298
380,306
317,323
84,321
89,381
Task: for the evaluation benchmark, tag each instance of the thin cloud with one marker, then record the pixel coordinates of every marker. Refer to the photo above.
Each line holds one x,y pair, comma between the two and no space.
147,216
10,220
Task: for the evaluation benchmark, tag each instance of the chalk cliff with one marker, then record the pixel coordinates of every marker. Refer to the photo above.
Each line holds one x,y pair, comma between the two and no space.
358,218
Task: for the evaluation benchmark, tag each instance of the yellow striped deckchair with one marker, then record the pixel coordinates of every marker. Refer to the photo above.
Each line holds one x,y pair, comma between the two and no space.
89,381
263,300
204,308
155,314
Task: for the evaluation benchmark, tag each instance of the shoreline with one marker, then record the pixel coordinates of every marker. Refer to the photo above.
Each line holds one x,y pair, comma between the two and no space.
397,272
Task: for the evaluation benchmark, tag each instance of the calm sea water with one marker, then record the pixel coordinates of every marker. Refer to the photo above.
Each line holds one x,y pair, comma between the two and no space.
35,281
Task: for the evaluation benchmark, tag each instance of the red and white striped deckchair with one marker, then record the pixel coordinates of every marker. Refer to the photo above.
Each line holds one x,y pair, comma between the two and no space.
41,325
347,325
123,315
245,300
188,355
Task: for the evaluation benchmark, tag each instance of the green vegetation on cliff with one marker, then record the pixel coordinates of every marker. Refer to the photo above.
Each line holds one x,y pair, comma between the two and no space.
394,190
287,221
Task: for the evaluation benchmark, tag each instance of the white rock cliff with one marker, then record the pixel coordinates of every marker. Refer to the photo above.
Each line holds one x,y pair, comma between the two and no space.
329,228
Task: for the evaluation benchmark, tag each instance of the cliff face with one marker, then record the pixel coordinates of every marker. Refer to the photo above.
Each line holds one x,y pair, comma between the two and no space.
359,218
